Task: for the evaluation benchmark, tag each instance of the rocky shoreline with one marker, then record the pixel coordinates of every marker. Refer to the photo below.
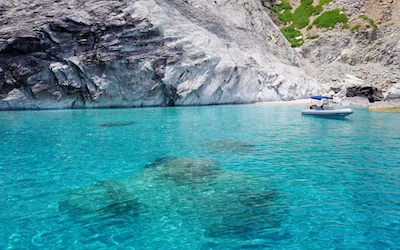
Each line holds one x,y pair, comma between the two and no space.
386,106
74,54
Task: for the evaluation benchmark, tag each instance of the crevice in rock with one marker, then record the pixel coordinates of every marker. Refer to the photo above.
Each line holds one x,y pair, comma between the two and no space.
372,93
170,94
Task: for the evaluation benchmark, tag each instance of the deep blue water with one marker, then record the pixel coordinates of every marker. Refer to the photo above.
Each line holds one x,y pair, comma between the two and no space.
215,177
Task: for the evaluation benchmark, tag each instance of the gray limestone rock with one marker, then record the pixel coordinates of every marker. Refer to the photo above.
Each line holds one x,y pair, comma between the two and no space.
394,93
372,56
357,87
74,54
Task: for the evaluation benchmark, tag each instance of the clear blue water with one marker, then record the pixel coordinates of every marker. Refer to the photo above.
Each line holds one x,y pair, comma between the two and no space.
216,177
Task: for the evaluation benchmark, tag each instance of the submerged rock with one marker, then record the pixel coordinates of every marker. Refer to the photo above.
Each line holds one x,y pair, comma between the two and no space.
104,198
229,146
242,212
117,124
183,170
221,203
171,194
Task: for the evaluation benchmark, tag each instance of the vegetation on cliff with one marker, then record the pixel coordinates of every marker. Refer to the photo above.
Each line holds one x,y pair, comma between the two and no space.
300,18
297,21
329,19
368,19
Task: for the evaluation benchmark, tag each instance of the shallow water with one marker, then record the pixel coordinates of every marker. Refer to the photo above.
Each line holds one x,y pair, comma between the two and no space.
216,177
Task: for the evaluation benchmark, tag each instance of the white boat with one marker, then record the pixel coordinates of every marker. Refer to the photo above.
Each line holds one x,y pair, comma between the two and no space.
321,106
328,112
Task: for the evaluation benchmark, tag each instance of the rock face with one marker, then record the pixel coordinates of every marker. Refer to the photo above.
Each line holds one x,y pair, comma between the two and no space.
89,54
358,87
371,55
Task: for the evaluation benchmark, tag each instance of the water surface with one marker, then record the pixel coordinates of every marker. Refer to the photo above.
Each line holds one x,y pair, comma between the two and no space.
216,177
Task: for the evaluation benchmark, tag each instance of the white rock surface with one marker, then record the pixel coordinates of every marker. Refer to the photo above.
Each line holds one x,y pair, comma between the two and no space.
148,53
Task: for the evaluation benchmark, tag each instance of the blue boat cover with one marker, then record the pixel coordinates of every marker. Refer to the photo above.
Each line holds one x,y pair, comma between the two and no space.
320,97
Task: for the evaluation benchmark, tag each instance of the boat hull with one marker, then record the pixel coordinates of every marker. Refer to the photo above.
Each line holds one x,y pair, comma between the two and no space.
328,112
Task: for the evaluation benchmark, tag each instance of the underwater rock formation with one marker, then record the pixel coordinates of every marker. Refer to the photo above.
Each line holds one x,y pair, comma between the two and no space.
225,203
117,124
171,193
185,170
104,198
247,212
229,146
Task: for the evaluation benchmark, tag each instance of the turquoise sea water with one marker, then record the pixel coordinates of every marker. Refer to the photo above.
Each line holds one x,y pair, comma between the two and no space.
215,177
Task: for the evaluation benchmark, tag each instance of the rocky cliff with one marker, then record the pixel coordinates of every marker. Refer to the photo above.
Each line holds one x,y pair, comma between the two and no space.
360,66
88,54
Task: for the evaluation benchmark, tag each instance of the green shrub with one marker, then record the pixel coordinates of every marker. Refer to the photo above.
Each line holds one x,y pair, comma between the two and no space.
355,27
329,19
301,16
291,33
286,17
322,2
300,21
283,11
313,36
307,2
284,5
318,9
366,18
